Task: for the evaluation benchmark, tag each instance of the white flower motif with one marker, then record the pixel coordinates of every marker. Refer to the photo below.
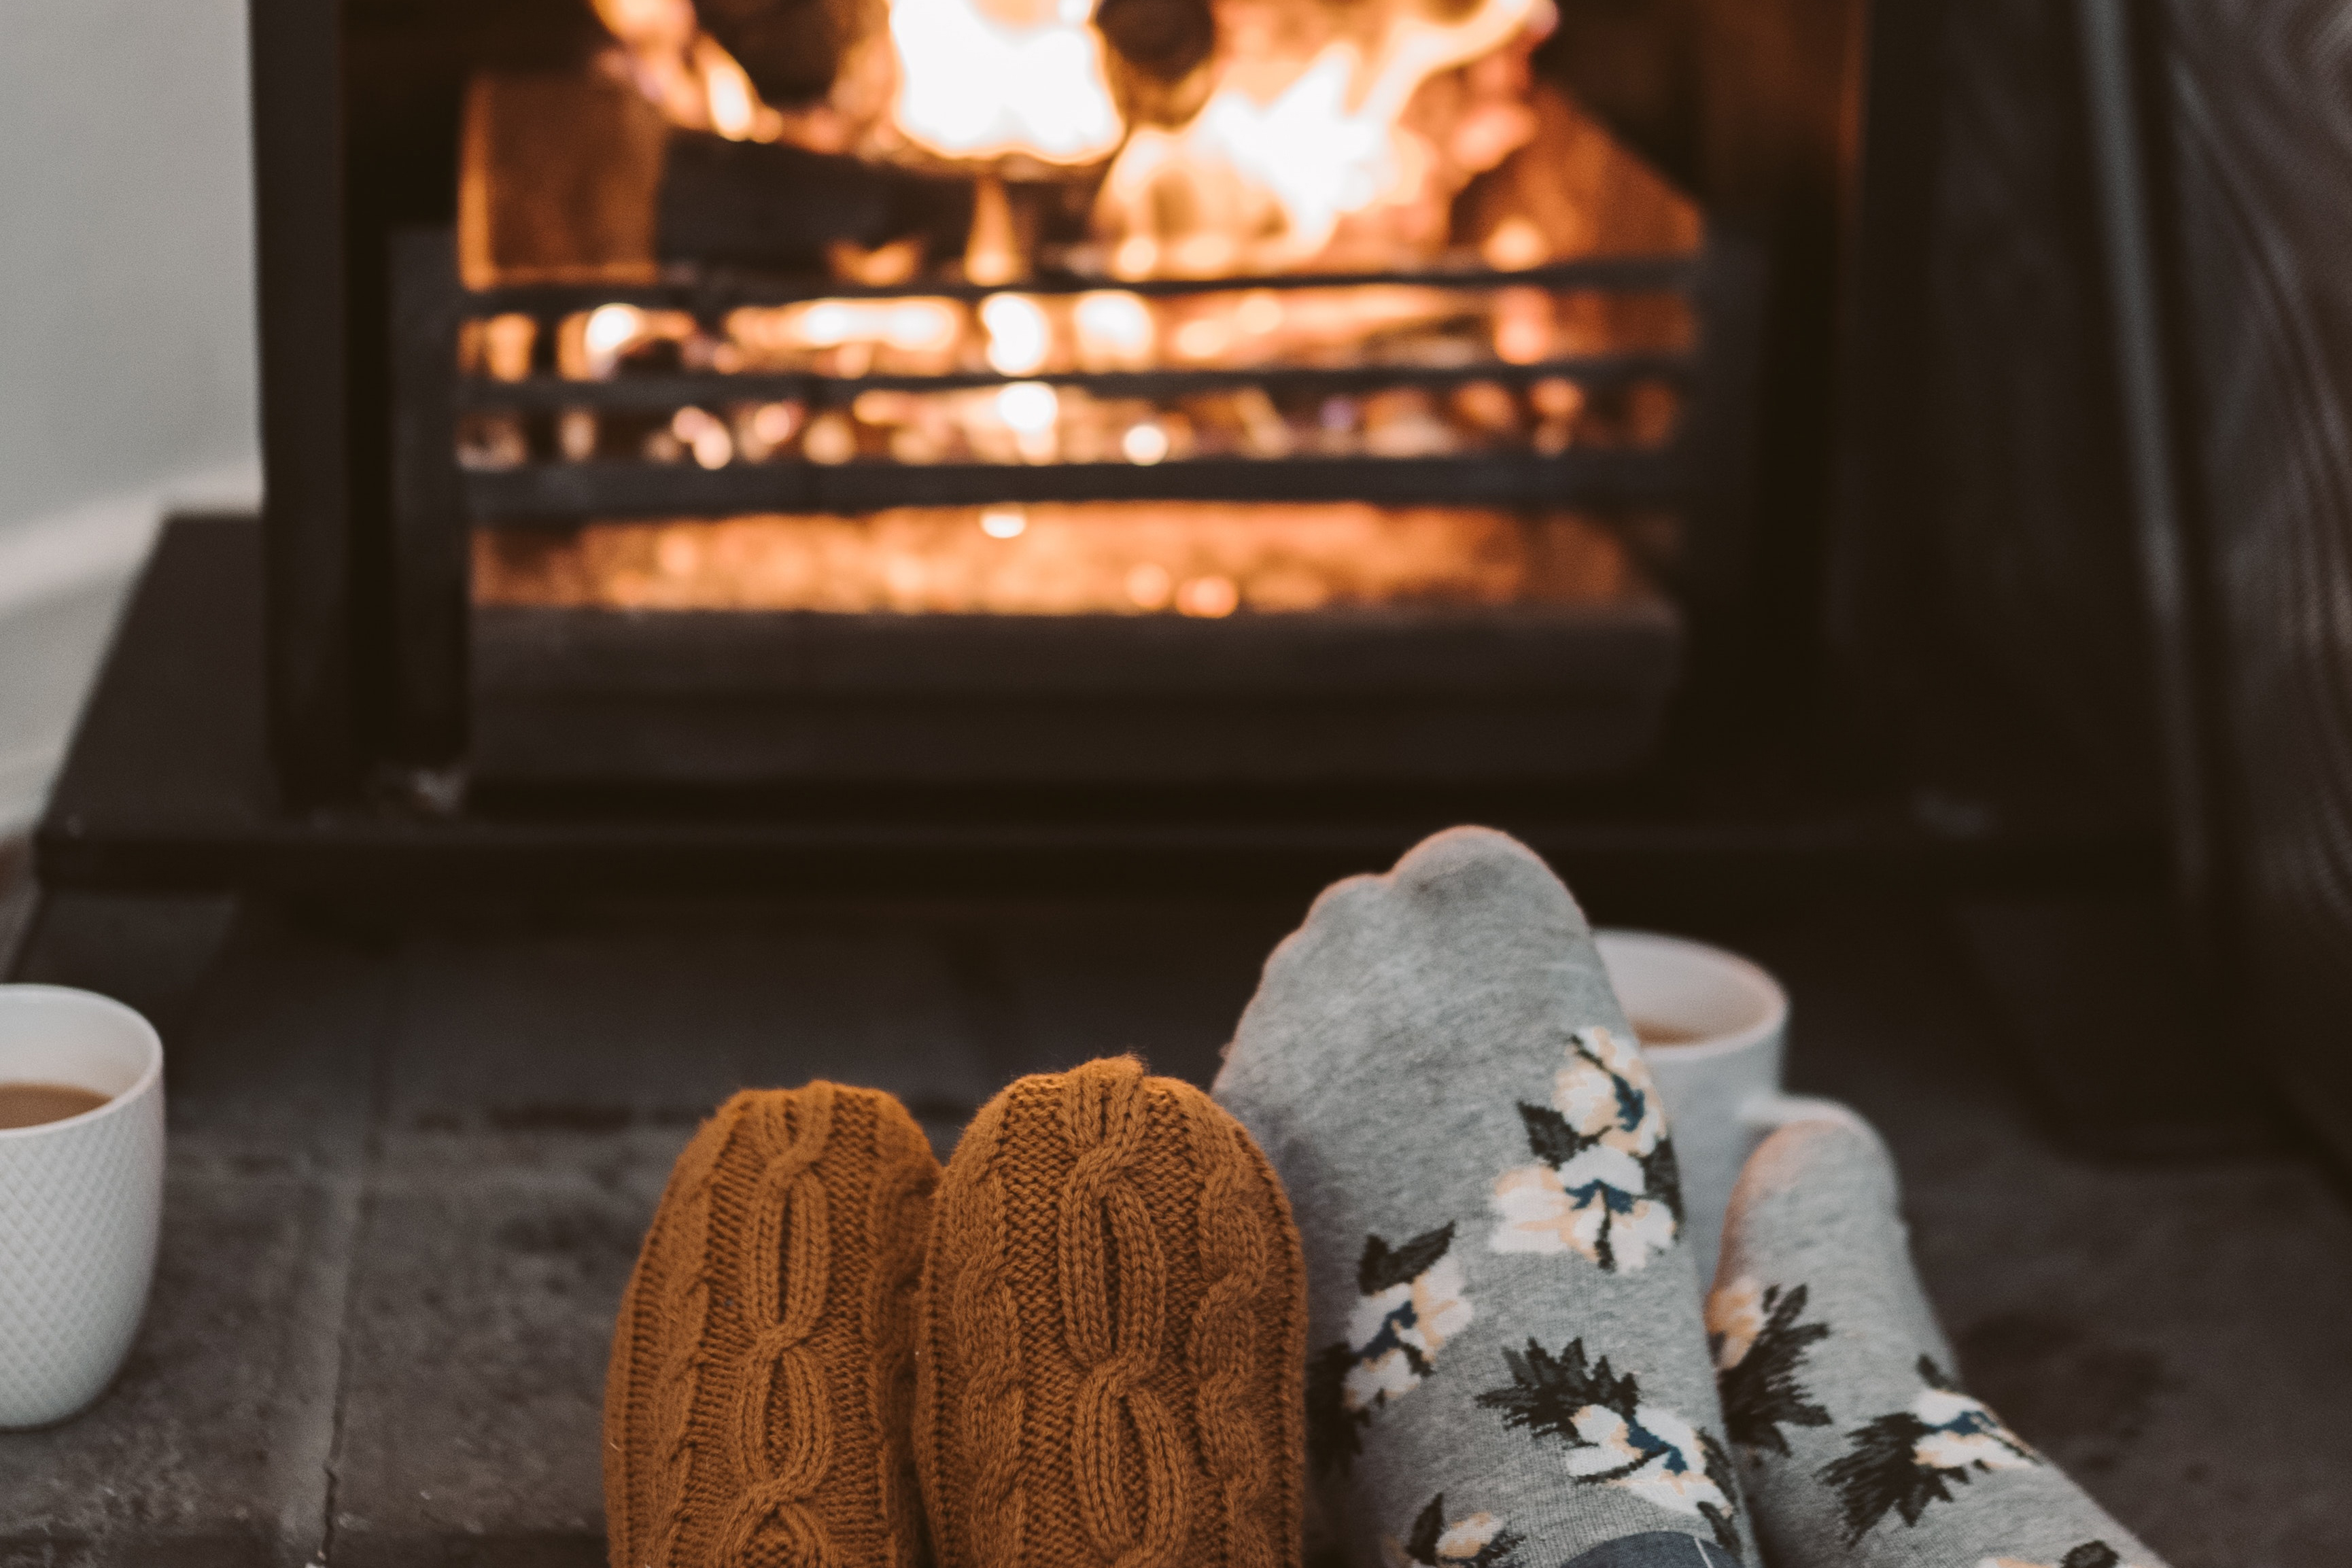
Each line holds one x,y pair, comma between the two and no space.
1605,1093
1963,1432
1466,1538
1735,1316
1601,1194
1657,1455
1395,1334
1385,1376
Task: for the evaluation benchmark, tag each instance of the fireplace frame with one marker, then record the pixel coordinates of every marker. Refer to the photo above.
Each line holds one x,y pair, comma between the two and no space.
1814,147
1698,475
365,527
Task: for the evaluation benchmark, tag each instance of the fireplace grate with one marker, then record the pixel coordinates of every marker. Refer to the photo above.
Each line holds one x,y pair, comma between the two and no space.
1692,472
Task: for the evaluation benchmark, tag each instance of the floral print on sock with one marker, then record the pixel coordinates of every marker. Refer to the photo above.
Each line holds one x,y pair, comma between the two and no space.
1758,1340
1410,1302
1905,1461
1479,1541
1613,1437
2090,1554
1605,1182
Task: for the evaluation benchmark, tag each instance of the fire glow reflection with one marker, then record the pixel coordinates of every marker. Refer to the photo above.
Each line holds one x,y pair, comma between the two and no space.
1201,559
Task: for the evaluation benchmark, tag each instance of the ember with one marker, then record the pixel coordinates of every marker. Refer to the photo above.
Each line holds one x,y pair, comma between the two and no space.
1196,559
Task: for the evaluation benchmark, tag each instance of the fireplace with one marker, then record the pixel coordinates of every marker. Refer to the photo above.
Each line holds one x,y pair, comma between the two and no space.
689,464
868,415
1738,459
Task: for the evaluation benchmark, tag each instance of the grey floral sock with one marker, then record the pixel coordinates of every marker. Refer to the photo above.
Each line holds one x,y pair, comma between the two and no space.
1507,1365
1855,1441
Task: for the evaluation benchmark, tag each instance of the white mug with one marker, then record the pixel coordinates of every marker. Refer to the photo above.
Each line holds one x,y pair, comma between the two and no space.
1713,1028
81,1199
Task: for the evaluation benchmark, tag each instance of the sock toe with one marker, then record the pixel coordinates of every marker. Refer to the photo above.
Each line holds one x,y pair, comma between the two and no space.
1507,1362
1846,1151
1111,1353
762,1369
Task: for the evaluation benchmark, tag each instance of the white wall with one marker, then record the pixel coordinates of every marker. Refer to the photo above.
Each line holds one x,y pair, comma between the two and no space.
126,325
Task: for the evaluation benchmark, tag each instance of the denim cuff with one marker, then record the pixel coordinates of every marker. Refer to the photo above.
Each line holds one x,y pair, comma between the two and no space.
1654,1549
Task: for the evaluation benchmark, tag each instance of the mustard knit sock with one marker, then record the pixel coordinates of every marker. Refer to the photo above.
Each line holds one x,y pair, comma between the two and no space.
1112,1349
762,1373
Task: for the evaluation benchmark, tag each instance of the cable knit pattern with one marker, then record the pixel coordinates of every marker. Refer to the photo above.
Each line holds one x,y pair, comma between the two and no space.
973,1448
789,1221
1114,1332
686,1304
749,1406
903,1157
1108,1374
1238,1267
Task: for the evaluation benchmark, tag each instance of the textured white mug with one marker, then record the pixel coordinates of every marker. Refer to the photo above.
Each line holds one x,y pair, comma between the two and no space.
1715,1028
81,1199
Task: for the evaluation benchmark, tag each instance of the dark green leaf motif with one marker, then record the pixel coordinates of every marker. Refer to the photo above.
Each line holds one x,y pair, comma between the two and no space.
1383,1268
1545,1391
1760,1392
1882,1472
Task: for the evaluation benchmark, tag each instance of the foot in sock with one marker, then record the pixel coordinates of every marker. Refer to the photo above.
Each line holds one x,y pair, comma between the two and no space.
1112,1336
756,1408
1507,1365
1854,1439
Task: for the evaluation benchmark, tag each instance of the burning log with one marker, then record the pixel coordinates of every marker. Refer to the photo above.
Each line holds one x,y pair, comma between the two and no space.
1573,190
577,179
1164,40
558,180
790,49
773,204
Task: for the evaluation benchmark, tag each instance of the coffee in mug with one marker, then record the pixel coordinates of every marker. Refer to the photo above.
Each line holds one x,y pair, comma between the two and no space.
81,1194
34,1104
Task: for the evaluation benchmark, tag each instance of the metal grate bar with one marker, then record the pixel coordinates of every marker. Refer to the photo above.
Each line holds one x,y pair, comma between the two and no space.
678,389
540,493
712,291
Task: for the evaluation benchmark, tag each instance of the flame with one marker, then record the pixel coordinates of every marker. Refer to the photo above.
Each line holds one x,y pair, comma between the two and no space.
684,71
1020,338
985,78
1279,156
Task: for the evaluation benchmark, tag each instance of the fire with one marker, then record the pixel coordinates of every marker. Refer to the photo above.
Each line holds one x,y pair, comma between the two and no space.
987,78
1285,150
1204,559
684,70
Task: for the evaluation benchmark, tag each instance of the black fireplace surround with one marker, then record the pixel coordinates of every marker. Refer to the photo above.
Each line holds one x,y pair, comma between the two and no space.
1947,620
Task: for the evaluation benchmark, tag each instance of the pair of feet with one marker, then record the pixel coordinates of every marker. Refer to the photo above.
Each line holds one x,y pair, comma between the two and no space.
1081,1342
1103,1340
1509,1365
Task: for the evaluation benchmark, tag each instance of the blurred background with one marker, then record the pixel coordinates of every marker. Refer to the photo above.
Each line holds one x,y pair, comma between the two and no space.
126,309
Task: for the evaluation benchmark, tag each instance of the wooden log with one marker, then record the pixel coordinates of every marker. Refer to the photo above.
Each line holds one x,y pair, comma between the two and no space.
776,207
558,180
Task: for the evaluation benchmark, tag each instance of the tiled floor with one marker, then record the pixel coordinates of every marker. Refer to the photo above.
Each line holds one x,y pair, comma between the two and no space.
411,1162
